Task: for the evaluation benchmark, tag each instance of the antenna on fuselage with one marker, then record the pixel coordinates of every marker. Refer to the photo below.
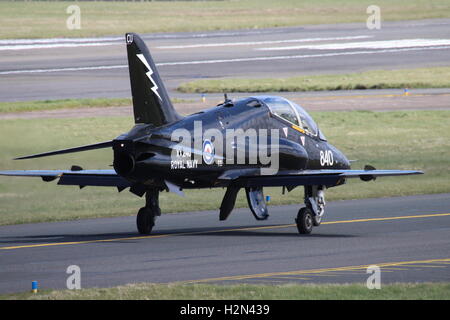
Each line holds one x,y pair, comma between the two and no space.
227,102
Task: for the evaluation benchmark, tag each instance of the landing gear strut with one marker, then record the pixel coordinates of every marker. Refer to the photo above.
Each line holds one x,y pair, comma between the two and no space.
311,216
147,215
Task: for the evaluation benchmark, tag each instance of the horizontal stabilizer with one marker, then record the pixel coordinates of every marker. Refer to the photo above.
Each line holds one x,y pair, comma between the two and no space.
94,146
99,178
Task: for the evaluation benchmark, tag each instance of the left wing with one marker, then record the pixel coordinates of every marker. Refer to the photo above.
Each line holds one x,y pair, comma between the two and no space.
307,177
77,177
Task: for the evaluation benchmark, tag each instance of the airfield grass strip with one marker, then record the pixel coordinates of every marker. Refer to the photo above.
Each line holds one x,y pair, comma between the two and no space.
37,19
415,140
358,291
435,77
22,106
41,105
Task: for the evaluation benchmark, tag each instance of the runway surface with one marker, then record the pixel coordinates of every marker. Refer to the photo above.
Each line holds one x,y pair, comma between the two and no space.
408,237
54,69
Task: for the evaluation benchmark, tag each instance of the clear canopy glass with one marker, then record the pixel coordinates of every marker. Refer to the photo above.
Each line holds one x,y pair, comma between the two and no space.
291,112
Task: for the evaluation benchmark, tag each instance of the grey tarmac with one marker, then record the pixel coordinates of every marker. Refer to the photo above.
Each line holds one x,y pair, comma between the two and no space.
101,71
406,236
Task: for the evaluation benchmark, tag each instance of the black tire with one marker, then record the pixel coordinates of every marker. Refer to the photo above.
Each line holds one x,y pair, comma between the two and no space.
257,203
145,220
304,221
316,220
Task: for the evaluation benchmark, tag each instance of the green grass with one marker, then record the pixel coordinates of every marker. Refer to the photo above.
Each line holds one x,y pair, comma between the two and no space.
38,105
436,77
21,106
48,19
418,140
423,291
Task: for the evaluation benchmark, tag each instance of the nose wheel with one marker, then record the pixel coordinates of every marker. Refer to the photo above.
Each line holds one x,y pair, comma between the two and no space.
311,215
304,221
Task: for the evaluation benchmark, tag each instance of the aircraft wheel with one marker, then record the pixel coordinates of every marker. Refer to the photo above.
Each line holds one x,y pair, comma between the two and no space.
145,220
317,220
304,221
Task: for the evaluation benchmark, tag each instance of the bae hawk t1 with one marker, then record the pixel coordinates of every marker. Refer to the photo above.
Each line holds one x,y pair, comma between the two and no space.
250,143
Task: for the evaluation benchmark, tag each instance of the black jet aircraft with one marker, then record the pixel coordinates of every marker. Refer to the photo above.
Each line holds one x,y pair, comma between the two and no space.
250,143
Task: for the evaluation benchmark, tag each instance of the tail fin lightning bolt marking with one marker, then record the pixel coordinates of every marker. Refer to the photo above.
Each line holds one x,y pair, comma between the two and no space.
149,74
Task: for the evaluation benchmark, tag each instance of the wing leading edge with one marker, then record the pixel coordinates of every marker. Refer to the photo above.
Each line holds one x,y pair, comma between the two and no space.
311,177
109,178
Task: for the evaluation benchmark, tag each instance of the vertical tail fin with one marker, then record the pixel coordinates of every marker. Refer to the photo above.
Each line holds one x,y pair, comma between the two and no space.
151,103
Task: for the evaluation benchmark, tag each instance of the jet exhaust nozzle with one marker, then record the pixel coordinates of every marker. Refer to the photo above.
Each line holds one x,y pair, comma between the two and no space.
124,163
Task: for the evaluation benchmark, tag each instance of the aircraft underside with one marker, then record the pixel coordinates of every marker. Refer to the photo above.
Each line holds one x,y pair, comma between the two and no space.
307,217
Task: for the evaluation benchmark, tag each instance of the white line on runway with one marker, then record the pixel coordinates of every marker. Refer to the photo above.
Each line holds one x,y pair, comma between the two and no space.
57,40
64,69
386,44
26,44
227,60
252,43
23,44
57,45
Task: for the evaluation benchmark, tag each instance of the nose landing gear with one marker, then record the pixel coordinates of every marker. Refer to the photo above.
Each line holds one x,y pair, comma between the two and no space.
311,215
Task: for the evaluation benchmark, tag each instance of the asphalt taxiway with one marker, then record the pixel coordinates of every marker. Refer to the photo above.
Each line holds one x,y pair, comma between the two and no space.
407,237
87,68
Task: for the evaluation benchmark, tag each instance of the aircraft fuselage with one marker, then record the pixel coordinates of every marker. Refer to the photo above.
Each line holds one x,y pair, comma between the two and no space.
234,136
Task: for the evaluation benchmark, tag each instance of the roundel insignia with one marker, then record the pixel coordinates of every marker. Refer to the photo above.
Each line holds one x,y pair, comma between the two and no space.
208,152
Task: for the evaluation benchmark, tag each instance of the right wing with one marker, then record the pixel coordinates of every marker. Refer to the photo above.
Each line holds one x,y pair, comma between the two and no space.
242,178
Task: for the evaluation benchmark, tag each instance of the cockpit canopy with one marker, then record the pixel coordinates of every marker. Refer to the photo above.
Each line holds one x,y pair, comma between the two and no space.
293,113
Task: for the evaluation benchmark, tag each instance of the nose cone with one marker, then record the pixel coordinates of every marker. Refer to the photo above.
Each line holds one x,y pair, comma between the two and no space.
340,160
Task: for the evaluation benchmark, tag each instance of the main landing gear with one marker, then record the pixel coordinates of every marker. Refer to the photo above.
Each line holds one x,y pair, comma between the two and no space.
147,215
307,217
311,215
